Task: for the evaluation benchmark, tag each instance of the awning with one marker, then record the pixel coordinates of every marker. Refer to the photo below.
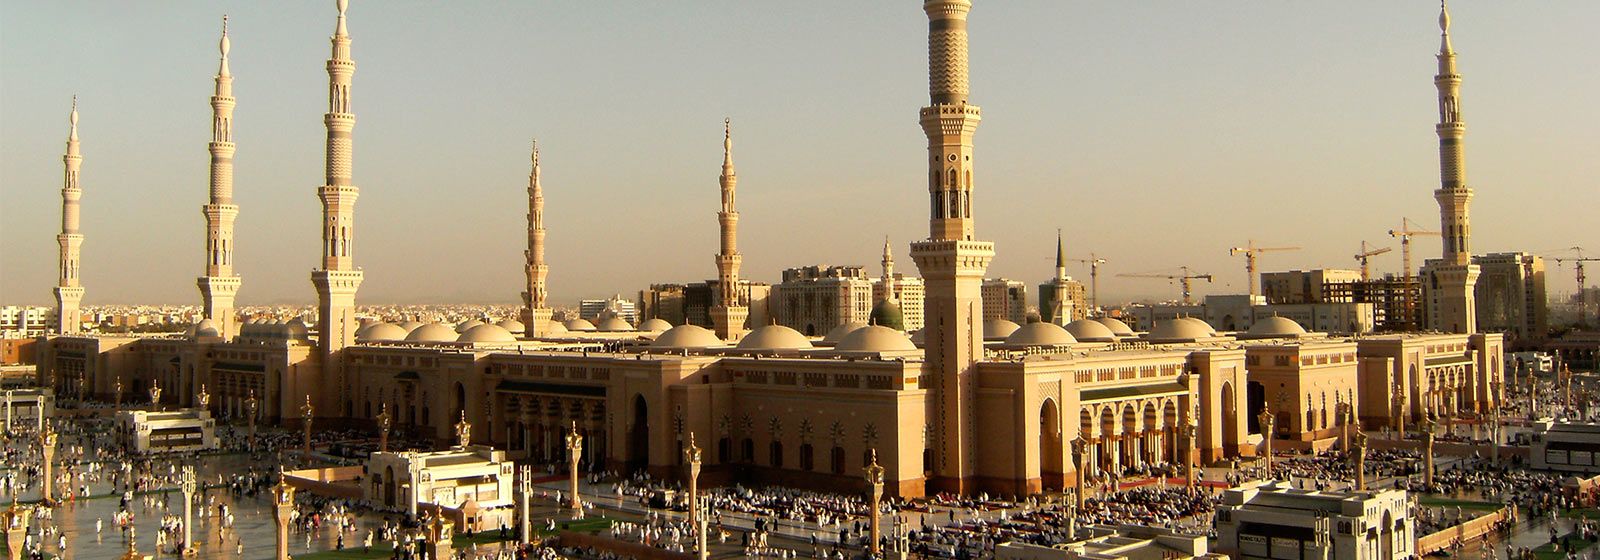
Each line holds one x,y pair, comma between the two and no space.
555,389
1117,393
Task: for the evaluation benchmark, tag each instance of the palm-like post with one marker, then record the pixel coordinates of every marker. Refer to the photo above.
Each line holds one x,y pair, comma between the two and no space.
574,451
7,433
307,413
83,387
189,486
692,455
383,427
1428,425
155,397
282,507
116,394
14,521
47,454
1190,458
874,474
1079,446
203,399
524,495
463,432
1494,433
250,407
1359,449
1343,410
1267,421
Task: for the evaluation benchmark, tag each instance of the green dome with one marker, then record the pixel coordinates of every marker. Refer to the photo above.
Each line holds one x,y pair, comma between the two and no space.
887,314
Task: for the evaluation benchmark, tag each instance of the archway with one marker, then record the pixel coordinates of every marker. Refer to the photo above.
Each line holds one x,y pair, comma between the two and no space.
1255,397
1387,536
387,479
461,402
639,436
1051,472
1230,419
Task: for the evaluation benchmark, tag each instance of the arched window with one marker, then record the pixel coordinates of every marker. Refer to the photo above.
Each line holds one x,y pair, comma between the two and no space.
775,454
807,462
747,450
838,460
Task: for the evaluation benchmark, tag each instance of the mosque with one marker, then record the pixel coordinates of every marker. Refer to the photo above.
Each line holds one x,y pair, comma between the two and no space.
964,405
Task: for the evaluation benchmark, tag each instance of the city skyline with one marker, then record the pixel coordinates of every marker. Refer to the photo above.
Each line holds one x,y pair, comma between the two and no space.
452,229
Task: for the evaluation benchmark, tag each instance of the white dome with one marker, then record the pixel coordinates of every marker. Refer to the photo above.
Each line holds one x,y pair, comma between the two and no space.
655,325
1276,327
874,338
205,327
411,325
432,332
998,329
296,329
838,333
1200,324
579,325
1117,327
1089,330
687,336
1183,329
1040,334
554,327
774,337
613,324
512,326
487,333
382,331
466,325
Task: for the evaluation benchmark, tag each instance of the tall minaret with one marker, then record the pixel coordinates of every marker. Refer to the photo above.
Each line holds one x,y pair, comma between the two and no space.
888,271
220,284
1060,307
338,278
729,312
69,290
536,313
951,260
1454,276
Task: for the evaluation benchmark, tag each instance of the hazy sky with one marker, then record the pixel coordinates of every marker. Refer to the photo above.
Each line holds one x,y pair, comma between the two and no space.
1154,133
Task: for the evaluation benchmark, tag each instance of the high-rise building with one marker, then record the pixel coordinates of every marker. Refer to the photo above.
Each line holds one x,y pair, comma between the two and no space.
1447,283
815,299
1303,286
220,285
1511,295
1005,299
595,309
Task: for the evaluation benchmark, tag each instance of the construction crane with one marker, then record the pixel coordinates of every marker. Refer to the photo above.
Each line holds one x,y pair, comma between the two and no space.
1094,263
1183,280
1366,271
1250,251
1405,233
1583,298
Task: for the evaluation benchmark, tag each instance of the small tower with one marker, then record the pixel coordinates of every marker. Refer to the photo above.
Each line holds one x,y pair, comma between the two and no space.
219,285
729,313
1059,309
1454,276
536,313
69,289
338,278
888,271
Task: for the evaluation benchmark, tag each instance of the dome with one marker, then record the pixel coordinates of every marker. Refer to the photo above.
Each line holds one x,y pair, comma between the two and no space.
296,329
553,327
655,325
411,325
205,327
512,326
1276,327
998,329
1040,334
466,325
381,332
919,336
686,336
487,333
432,332
838,333
1117,327
774,337
1180,330
875,338
614,324
1200,324
579,325
1090,330
887,313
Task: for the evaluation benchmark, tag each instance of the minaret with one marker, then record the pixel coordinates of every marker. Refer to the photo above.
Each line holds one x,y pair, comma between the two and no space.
1060,310
536,314
728,314
338,278
951,260
888,271
69,290
220,284
1454,276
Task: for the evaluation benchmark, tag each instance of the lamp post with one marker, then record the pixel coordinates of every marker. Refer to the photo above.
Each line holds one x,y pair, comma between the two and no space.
1079,446
187,483
383,427
1189,455
250,406
1359,442
282,507
14,522
1494,434
1427,426
116,394
47,452
155,397
574,451
691,454
1344,425
874,474
463,432
524,495
307,412
1267,421
203,399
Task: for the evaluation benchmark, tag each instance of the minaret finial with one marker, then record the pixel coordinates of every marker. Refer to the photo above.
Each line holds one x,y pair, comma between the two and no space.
73,118
223,47
1444,28
341,31
535,152
727,141
1061,251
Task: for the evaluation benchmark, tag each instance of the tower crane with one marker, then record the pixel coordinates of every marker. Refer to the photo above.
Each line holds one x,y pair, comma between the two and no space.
1577,263
1250,251
1405,233
1366,271
1094,263
1183,280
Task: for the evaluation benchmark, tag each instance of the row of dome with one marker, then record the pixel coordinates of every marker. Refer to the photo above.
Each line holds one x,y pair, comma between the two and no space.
476,330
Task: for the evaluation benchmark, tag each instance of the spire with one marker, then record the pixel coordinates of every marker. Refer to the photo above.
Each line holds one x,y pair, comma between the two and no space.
727,143
1061,251
72,135
219,284
1444,28
340,30
69,290
223,46
728,311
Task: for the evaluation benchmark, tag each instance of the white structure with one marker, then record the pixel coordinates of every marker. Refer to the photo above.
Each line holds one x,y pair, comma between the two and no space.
1275,520
1448,282
26,407
188,430
471,485
1005,299
338,278
220,285
1105,542
536,313
69,288
1566,446
24,319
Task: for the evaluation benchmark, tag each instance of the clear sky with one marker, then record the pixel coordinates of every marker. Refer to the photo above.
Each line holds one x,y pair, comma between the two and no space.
1154,133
